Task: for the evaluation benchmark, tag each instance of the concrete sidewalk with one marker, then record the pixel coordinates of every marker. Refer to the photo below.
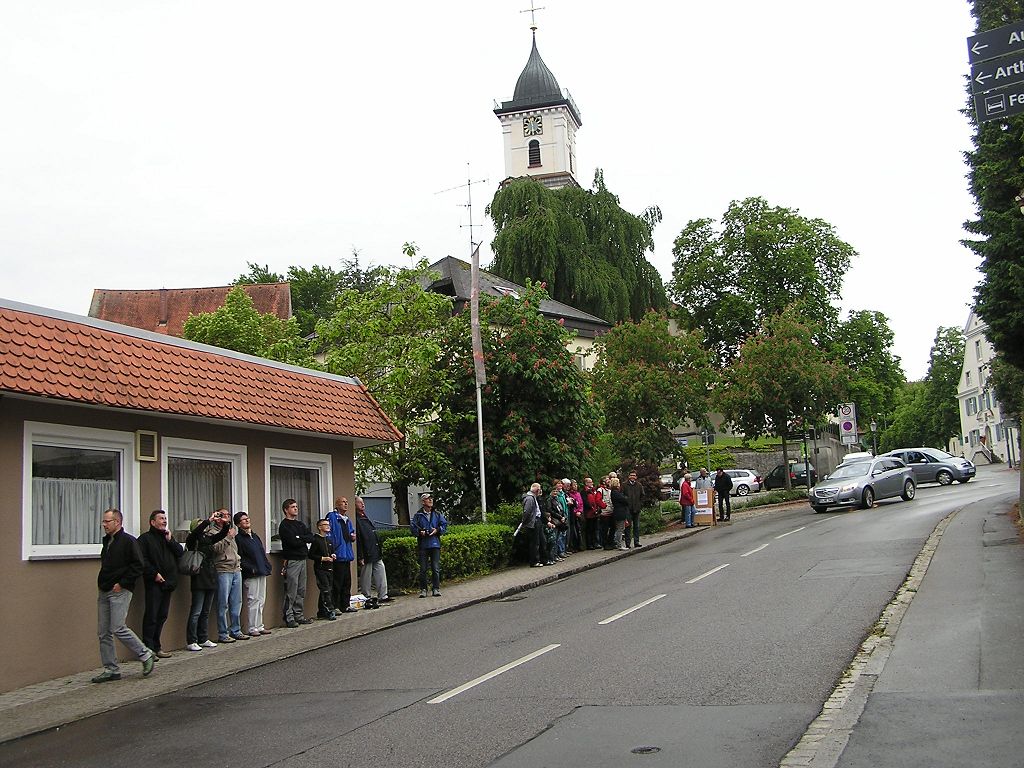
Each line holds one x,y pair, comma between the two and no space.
54,703
940,682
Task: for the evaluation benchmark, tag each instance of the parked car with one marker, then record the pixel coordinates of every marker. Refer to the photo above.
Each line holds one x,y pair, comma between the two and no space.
797,476
669,490
930,465
861,483
850,458
744,481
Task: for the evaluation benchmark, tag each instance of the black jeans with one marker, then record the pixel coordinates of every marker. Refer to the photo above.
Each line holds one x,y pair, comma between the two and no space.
634,526
590,532
537,543
341,589
433,557
724,503
158,602
324,581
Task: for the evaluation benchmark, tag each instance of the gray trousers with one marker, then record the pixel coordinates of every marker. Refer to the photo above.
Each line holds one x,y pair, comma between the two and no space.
294,590
112,612
373,574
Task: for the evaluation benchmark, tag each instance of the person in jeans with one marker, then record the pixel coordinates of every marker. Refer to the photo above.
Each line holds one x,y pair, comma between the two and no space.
687,500
255,570
204,583
120,567
295,540
229,582
620,513
160,553
341,537
428,525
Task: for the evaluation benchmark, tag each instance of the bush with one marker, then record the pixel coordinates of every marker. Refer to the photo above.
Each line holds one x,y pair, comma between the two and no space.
651,520
509,514
466,550
671,509
774,497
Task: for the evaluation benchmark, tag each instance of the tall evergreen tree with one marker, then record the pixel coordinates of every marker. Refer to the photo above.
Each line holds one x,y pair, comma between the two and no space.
997,180
590,253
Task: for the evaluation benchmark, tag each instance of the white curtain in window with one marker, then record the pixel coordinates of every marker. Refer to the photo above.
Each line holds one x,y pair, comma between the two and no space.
66,511
195,488
297,483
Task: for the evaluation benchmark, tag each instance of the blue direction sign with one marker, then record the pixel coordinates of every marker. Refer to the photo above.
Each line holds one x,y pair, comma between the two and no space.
996,42
999,105
997,73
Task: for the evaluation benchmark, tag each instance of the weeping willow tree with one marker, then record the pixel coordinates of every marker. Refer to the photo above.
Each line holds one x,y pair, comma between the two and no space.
581,243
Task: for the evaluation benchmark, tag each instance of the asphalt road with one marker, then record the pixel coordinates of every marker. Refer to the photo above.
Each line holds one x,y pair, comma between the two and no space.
716,650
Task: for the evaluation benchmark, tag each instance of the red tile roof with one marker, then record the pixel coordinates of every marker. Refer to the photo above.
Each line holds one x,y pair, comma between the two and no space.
50,354
165,310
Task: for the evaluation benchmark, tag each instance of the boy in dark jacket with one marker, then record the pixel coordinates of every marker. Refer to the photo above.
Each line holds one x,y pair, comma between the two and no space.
322,554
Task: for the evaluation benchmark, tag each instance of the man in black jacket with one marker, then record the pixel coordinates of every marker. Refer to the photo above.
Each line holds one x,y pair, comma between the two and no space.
723,487
160,553
371,562
635,494
295,540
120,567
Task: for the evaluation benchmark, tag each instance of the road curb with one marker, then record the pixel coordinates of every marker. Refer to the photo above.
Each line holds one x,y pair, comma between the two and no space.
826,737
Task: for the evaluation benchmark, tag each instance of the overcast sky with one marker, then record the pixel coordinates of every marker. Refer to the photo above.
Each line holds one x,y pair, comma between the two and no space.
166,144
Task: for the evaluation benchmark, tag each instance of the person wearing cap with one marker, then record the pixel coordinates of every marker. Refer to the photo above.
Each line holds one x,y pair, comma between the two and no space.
255,570
428,525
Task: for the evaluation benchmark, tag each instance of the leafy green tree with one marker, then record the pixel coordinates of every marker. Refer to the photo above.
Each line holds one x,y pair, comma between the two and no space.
780,378
390,338
945,363
908,426
648,381
996,180
728,282
538,419
588,251
314,290
864,344
239,326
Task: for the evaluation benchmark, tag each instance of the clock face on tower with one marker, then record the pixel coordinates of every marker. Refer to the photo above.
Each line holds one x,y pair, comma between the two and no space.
533,126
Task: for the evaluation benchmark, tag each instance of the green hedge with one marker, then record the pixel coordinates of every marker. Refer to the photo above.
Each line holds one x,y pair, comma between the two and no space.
774,497
466,550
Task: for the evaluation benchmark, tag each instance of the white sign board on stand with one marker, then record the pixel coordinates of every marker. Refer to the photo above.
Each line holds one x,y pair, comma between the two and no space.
848,424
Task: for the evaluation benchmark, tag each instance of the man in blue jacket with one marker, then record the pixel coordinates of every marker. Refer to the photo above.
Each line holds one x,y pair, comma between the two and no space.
341,536
427,526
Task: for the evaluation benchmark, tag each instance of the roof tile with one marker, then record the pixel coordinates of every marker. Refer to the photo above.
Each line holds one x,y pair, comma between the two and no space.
67,360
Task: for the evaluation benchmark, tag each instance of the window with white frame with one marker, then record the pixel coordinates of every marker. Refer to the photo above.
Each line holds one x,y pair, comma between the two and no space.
977,350
305,477
200,477
71,476
967,378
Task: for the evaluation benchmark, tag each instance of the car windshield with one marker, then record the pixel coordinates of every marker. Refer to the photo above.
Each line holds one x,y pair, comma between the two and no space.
857,469
935,453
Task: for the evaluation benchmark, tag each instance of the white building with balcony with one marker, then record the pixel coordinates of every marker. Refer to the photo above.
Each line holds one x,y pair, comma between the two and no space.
985,435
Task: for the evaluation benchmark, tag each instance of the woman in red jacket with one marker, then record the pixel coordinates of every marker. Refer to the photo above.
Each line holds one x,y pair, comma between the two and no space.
687,500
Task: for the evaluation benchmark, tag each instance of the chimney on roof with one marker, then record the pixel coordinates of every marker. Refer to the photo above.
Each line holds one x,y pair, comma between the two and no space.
163,308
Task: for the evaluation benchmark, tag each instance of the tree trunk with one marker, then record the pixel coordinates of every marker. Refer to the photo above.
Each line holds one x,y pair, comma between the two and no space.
785,462
401,493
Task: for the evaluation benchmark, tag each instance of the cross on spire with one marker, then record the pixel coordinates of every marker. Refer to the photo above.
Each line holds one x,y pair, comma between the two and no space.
532,10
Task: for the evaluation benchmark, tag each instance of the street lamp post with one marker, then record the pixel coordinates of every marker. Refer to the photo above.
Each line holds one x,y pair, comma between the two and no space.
874,437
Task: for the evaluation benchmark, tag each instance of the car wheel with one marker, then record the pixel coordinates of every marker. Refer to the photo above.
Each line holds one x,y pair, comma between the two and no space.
909,490
945,477
818,509
869,498
742,490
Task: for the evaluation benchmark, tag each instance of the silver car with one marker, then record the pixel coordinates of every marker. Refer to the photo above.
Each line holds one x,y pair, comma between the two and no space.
861,483
744,481
931,465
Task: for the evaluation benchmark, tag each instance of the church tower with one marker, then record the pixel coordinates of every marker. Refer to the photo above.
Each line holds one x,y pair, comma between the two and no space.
539,127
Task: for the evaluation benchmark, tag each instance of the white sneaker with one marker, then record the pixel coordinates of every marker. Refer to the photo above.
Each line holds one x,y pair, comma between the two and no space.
194,647
208,644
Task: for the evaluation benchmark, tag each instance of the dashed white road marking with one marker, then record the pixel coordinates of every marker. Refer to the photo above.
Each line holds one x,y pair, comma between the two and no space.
754,551
484,678
628,611
705,575
797,530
